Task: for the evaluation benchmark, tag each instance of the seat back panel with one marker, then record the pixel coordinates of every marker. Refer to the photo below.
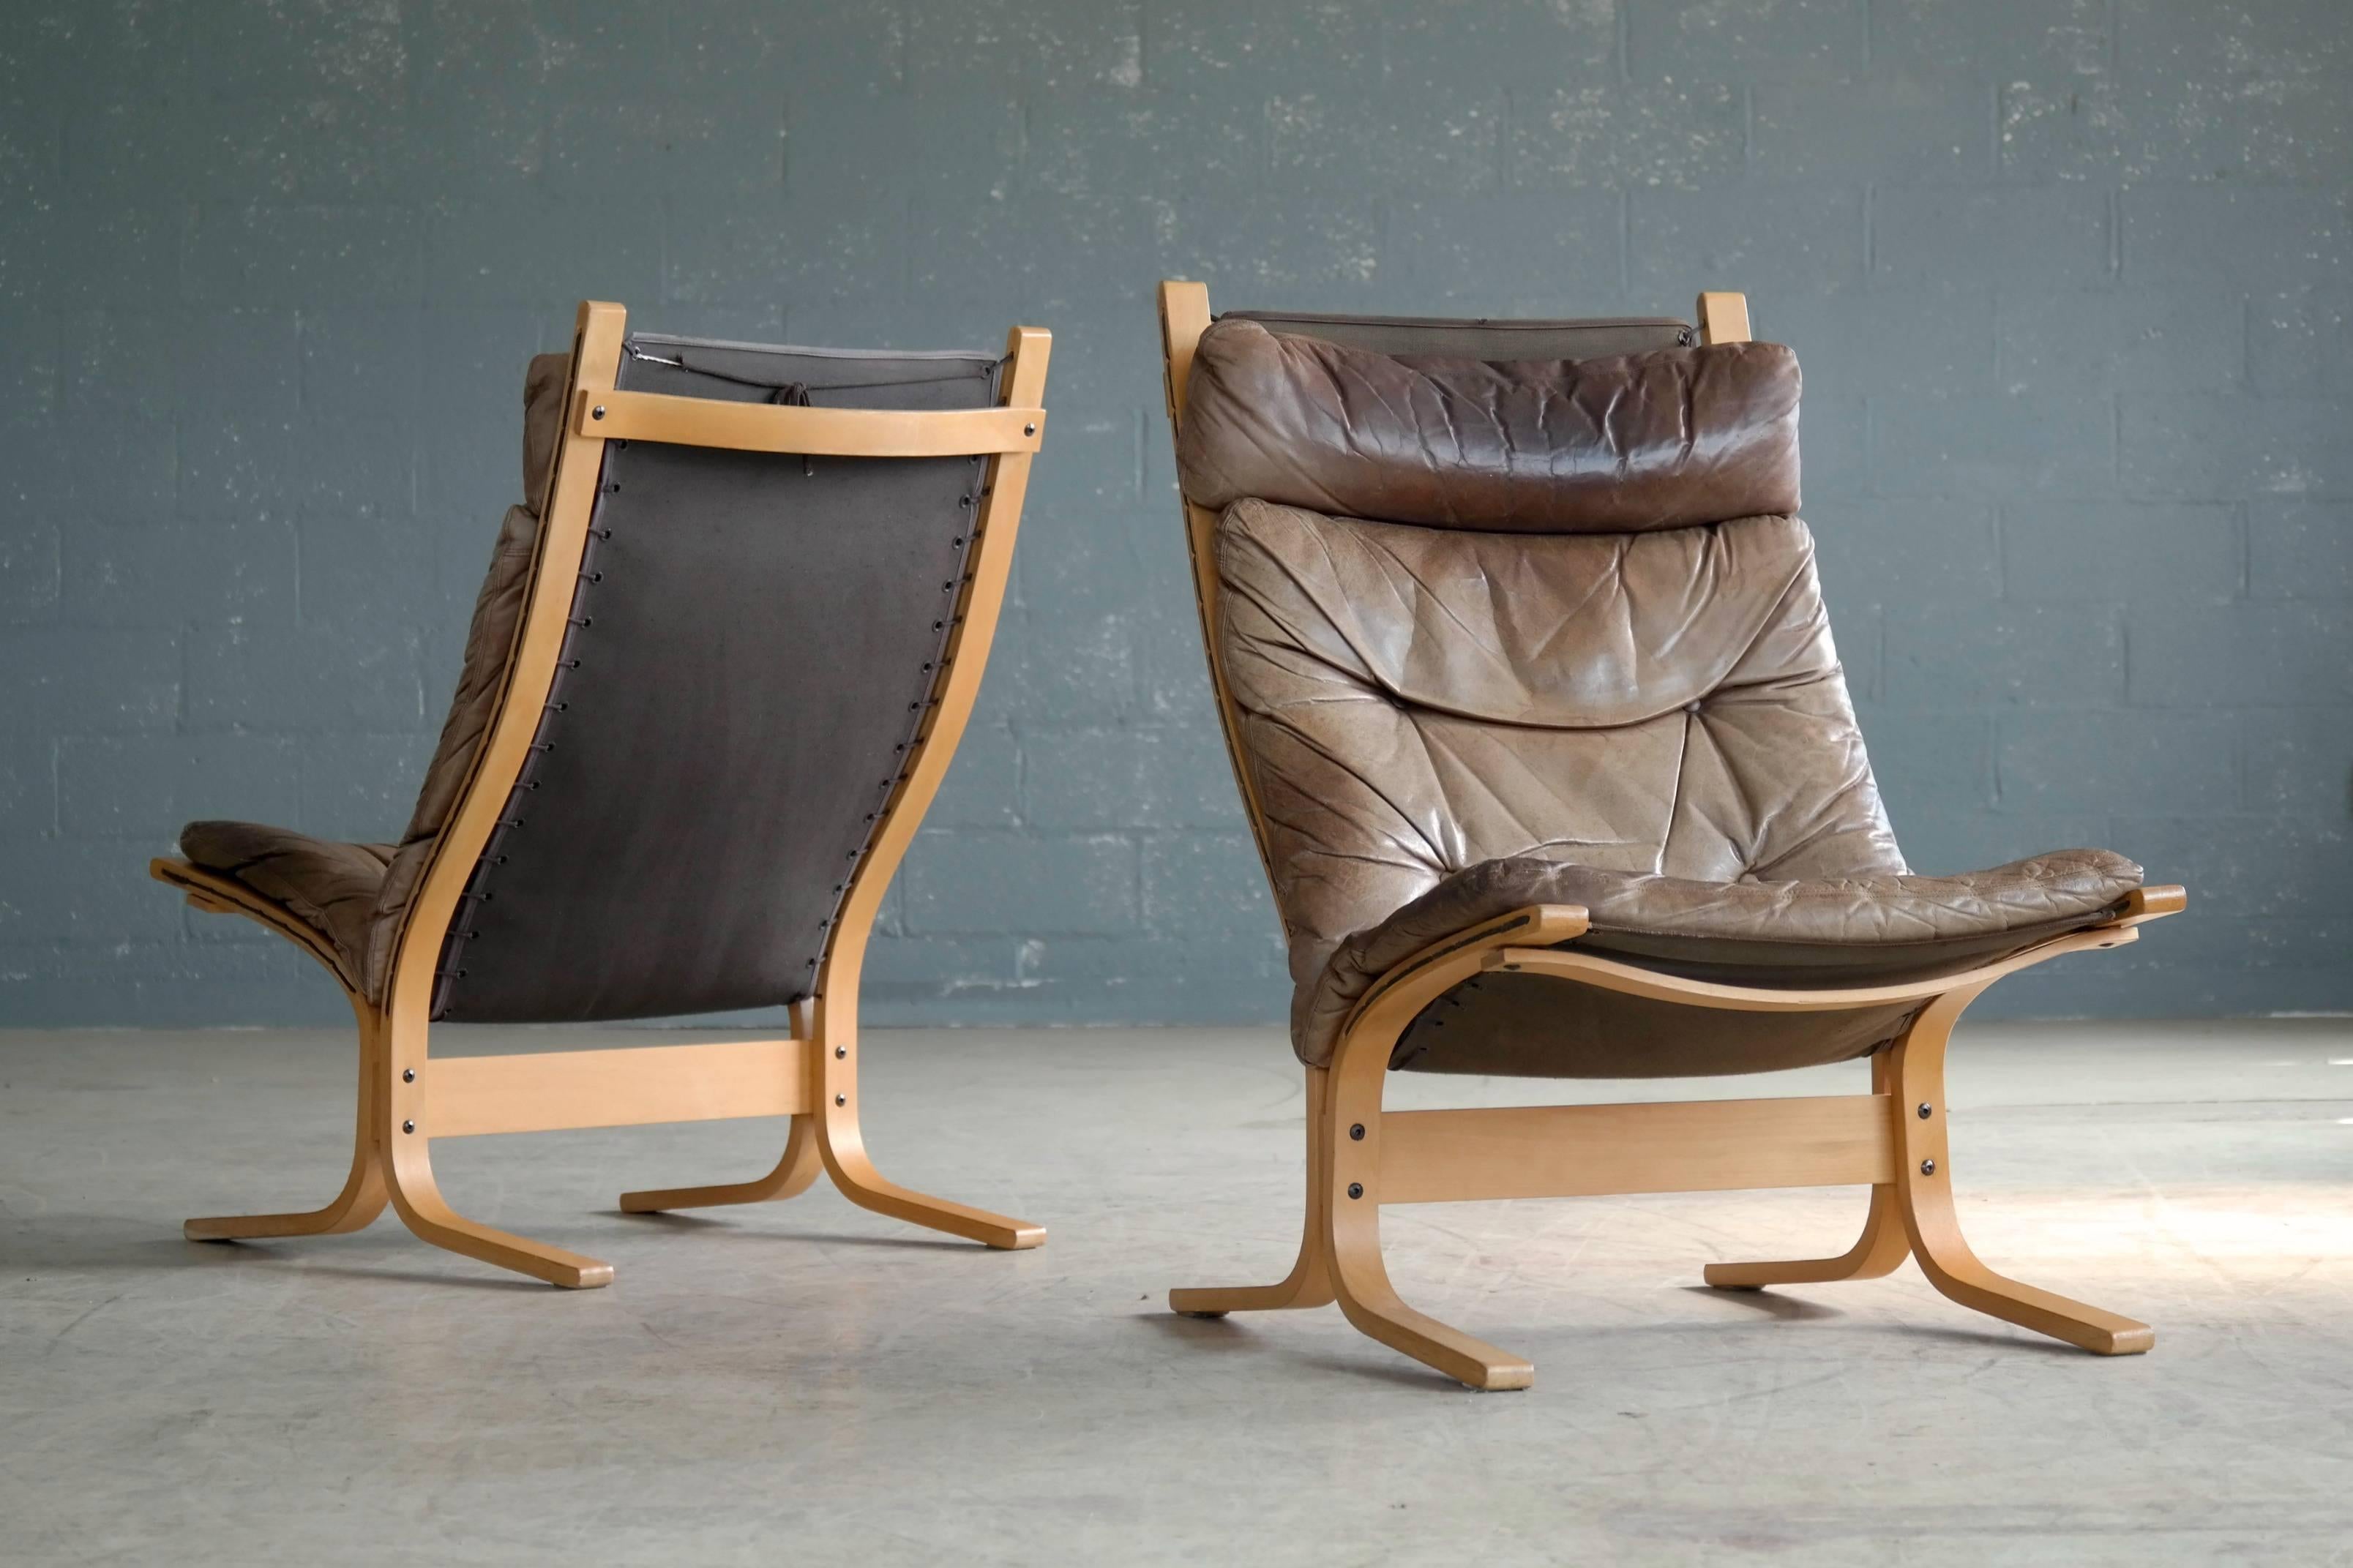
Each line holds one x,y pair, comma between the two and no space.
755,637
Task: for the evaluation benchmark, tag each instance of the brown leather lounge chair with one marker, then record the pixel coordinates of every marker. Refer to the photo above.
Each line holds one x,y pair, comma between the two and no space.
1533,702
718,667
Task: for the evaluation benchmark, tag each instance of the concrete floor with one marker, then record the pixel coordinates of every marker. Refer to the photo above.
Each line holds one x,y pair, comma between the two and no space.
808,1381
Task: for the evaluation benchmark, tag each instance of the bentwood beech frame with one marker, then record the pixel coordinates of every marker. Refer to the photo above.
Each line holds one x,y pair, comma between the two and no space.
408,1097
1891,1139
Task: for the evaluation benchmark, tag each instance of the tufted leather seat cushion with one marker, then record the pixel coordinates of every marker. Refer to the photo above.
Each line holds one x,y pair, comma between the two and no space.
1444,724
356,895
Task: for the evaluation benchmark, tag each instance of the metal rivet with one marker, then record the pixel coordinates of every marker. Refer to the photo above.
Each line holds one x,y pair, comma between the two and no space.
408,1126
1926,1111
1029,429
840,1052
408,1075
1358,1132
1355,1189
1927,1167
598,412
841,1099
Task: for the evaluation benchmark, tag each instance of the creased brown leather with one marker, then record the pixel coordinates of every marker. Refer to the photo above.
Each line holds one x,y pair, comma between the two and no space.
329,886
355,894
1655,726
1870,929
543,385
1647,441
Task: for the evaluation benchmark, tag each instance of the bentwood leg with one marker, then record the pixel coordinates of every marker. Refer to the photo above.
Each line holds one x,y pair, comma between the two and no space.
1352,1199
1308,1283
1884,1244
1924,1180
364,1195
416,1197
841,1141
843,1145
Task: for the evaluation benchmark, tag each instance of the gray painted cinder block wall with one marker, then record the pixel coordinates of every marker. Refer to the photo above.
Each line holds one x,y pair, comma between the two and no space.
2069,279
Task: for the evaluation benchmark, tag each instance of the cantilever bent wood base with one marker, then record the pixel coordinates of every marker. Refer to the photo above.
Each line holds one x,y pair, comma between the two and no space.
407,1096
1891,1139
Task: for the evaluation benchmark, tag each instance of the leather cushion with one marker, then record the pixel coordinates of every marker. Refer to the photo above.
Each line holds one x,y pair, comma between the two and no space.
1442,726
1835,931
1412,702
1666,439
330,886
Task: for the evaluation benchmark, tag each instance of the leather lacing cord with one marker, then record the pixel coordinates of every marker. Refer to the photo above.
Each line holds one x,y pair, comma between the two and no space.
935,666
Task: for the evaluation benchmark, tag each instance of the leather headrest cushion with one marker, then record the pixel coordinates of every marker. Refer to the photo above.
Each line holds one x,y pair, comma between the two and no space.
1667,440
543,385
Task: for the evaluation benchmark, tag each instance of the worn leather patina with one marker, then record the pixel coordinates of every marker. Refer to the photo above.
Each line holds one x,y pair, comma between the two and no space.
1514,689
1620,445
328,886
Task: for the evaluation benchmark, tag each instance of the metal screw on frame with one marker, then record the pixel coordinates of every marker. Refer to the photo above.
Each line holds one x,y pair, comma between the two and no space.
1926,1111
1358,1132
1355,1189
408,1126
1927,1167
841,1099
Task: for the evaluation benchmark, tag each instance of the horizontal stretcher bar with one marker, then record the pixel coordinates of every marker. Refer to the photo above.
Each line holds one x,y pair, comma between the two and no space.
551,1091
1660,1146
813,432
